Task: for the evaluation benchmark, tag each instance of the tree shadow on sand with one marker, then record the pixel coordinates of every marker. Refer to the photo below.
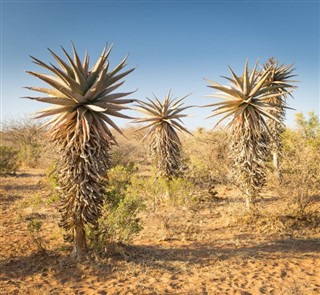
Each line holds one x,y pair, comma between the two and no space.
40,263
23,187
155,257
7,199
204,253
26,175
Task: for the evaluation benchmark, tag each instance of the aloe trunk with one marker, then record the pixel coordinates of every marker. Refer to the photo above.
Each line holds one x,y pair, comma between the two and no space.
80,249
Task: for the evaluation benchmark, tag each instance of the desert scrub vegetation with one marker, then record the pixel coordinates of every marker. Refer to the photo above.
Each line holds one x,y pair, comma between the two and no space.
299,190
130,148
309,129
9,161
158,191
301,168
26,136
206,157
34,229
128,196
84,100
119,220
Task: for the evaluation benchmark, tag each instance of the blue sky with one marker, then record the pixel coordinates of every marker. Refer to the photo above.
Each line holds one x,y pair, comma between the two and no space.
175,44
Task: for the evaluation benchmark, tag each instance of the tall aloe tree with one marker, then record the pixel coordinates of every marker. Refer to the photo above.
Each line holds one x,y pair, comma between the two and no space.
247,102
84,100
280,80
164,120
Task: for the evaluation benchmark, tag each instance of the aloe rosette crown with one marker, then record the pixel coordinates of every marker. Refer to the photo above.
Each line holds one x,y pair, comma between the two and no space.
84,100
247,101
280,83
164,120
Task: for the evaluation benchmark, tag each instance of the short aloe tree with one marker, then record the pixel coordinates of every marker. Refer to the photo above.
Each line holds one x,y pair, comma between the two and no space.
164,120
280,81
84,100
247,102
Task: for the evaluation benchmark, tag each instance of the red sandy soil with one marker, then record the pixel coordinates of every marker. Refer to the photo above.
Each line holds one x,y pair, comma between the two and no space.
202,250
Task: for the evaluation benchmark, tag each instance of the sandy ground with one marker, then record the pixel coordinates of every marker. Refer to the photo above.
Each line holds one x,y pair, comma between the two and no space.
180,251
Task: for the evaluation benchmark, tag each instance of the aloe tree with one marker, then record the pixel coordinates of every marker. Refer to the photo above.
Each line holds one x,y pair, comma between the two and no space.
164,120
279,80
84,100
247,102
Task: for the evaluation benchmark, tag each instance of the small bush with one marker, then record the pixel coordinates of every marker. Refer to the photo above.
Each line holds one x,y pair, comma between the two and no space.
309,128
119,220
301,169
130,149
29,140
34,228
152,189
9,162
207,157
157,190
181,192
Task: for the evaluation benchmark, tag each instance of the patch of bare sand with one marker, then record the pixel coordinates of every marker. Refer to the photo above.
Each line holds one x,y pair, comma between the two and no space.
179,252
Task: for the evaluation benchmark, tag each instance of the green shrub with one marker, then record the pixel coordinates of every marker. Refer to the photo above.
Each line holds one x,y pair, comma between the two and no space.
309,128
152,189
34,228
301,169
156,190
52,177
9,162
119,220
181,192
30,155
